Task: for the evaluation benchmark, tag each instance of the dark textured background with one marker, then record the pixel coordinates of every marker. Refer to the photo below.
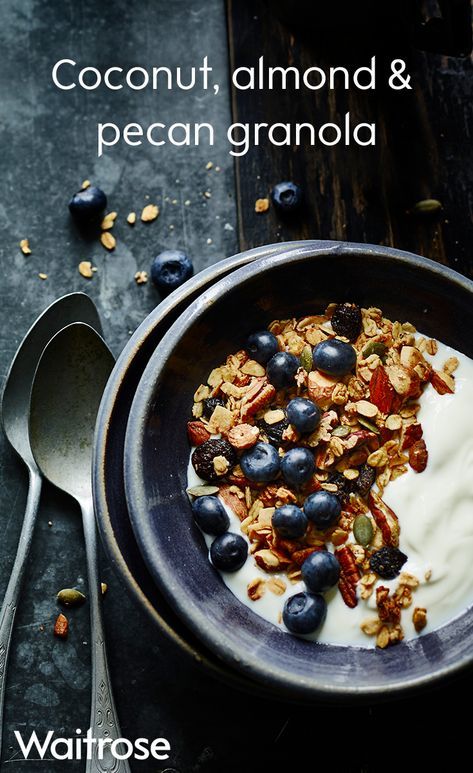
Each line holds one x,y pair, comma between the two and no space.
47,148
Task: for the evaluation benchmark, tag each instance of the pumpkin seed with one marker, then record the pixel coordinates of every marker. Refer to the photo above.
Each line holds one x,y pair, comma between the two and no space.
368,424
202,491
341,431
70,597
427,207
306,359
363,530
375,347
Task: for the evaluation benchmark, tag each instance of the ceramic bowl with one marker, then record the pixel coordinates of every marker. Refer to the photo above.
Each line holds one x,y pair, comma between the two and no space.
438,301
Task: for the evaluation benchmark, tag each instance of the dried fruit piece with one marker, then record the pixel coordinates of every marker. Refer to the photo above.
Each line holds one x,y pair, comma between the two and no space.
346,320
274,432
418,456
61,627
197,433
381,390
205,454
365,480
413,433
210,405
387,562
70,597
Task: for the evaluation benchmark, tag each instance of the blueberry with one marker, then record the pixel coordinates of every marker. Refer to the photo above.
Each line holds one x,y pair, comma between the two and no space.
304,612
320,571
289,522
262,346
210,515
287,197
281,369
88,206
303,414
261,463
334,357
228,552
170,269
323,509
297,465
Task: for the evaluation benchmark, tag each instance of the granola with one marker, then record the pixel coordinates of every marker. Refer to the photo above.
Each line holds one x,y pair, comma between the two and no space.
367,435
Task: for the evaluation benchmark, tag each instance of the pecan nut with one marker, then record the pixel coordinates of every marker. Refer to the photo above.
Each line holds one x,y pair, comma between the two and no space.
385,518
381,390
259,395
418,456
243,436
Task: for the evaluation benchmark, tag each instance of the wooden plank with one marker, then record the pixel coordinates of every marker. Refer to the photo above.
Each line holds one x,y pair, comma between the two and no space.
359,194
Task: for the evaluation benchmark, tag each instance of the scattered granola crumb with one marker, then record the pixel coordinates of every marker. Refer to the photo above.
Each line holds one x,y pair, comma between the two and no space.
41,628
61,627
131,218
261,205
187,202
50,523
149,213
419,618
209,240
108,221
108,240
141,277
43,276
209,165
207,194
85,269
86,184
104,588
25,247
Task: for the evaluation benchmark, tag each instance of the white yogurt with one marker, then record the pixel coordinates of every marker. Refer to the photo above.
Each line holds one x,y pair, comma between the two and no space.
435,511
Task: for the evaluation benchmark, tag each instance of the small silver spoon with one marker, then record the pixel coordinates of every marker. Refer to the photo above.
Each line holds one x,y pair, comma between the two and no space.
65,398
15,403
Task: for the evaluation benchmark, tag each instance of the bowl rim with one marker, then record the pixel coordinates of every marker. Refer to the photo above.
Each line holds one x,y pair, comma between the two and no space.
287,684
105,418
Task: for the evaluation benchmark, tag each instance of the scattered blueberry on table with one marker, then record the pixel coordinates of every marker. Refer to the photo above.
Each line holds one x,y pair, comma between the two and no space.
320,571
170,269
287,197
304,612
87,206
228,552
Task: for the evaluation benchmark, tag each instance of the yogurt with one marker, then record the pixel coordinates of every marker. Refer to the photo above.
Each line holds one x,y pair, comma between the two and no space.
435,511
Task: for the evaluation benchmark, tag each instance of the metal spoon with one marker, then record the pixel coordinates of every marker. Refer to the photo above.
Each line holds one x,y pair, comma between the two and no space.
65,398
15,402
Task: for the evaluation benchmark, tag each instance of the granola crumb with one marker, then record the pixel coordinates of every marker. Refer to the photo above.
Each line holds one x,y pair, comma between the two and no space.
207,194
261,205
86,184
108,221
25,247
141,277
419,618
149,213
108,240
209,165
131,218
43,276
85,269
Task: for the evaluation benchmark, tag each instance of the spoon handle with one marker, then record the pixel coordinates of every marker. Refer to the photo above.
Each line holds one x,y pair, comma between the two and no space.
12,595
104,718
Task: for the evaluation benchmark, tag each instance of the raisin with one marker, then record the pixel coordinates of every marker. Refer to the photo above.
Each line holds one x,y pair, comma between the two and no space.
344,486
274,432
346,320
204,455
388,562
210,405
365,480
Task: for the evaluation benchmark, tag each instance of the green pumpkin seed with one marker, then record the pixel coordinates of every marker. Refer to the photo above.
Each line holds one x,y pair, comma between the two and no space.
368,424
427,207
70,597
306,359
375,347
341,431
363,530
202,491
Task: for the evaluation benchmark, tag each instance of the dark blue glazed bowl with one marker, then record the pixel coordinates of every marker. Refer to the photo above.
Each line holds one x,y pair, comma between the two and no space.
439,302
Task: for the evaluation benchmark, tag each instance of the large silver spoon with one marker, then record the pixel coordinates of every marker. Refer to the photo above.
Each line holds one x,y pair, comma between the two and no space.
65,398
15,403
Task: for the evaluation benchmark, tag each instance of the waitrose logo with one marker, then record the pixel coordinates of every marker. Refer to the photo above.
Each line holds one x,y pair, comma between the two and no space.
88,748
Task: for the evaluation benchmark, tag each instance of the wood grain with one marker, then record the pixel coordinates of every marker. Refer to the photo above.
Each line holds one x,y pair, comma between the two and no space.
358,194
